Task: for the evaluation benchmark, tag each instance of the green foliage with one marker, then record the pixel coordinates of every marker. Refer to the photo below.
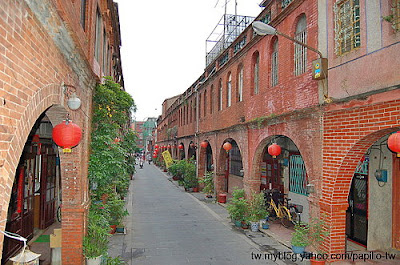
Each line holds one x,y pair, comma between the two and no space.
237,206
114,261
111,162
316,234
208,181
300,235
256,210
95,243
189,174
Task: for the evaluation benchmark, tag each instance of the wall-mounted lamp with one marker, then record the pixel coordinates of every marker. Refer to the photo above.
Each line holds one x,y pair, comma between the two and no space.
73,101
310,188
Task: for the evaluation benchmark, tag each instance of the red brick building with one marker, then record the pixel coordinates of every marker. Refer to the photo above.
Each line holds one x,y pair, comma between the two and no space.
48,51
259,90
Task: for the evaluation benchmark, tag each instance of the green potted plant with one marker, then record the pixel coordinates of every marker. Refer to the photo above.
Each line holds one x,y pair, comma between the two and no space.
237,207
190,179
95,243
116,208
208,181
316,234
256,211
300,238
114,261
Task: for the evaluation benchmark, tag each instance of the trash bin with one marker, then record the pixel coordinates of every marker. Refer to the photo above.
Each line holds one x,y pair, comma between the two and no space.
222,198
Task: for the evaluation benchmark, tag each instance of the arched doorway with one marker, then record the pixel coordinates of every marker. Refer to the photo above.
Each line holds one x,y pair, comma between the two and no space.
181,151
230,168
36,191
285,173
371,217
192,151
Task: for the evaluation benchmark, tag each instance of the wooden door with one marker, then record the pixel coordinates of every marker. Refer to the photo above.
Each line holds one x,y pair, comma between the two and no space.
48,189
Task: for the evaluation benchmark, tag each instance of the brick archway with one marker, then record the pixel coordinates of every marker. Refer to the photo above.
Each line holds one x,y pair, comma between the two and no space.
336,188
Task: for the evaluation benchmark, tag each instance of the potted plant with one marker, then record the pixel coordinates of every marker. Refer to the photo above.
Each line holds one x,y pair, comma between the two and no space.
114,261
237,207
190,178
300,238
116,208
256,210
316,234
208,181
95,243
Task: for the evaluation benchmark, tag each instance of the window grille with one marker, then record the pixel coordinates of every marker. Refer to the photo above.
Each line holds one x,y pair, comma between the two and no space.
239,45
297,175
285,3
229,91
235,160
256,73
212,99
240,84
220,96
267,18
300,52
347,26
224,59
205,103
83,14
274,64
396,14
98,36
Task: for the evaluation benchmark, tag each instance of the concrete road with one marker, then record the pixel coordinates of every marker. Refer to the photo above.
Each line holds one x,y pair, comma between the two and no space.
169,226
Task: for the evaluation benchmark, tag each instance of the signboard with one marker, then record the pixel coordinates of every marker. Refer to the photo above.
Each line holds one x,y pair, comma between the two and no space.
167,158
263,173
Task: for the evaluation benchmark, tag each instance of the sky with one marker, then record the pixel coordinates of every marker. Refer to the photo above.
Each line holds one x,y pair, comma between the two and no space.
164,45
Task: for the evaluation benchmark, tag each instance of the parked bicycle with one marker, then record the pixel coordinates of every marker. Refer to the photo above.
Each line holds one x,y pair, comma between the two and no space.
279,208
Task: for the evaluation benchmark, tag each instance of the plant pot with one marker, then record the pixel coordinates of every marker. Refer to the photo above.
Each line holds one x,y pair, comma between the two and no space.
175,178
317,262
298,249
113,228
120,230
94,261
254,226
238,223
245,225
265,225
196,189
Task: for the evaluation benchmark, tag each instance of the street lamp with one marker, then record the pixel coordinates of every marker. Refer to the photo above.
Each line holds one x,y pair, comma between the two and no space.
320,66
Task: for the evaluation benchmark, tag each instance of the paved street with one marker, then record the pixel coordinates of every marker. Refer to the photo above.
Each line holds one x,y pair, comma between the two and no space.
169,226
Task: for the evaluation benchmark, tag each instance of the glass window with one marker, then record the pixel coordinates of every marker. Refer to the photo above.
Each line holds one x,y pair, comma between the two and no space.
300,52
347,26
229,91
98,36
235,165
83,14
274,64
220,95
256,66
240,84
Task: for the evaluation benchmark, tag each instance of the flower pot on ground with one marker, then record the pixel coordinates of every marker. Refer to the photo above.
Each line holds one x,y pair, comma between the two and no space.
94,261
95,243
208,181
120,229
237,206
254,226
189,176
195,189
256,209
300,238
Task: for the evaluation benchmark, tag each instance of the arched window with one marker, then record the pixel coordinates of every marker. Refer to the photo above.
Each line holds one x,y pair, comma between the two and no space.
229,91
274,63
212,100
205,103
300,52
220,96
256,66
240,84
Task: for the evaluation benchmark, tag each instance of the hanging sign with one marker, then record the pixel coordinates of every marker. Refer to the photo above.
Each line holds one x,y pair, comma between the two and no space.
167,158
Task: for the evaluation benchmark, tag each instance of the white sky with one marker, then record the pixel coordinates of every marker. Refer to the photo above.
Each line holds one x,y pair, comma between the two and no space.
163,45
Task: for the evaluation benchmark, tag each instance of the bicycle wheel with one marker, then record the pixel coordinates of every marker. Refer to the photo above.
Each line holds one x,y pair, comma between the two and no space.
59,214
286,218
271,210
295,216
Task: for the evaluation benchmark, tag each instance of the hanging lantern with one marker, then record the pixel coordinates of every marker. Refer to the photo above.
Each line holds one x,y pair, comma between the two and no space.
180,147
274,150
204,144
154,156
169,146
394,143
67,135
156,146
36,139
227,146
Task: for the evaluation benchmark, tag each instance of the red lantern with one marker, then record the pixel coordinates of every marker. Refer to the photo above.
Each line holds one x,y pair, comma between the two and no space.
156,146
180,147
204,144
274,150
227,146
36,139
154,156
169,146
67,135
394,143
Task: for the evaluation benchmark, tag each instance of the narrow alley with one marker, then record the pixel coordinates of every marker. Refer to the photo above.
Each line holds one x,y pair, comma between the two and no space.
168,226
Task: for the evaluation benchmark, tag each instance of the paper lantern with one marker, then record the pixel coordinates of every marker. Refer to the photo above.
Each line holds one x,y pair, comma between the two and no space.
227,146
394,143
67,135
180,147
204,144
274,150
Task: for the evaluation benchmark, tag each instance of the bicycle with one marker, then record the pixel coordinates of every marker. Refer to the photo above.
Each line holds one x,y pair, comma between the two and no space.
288,215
